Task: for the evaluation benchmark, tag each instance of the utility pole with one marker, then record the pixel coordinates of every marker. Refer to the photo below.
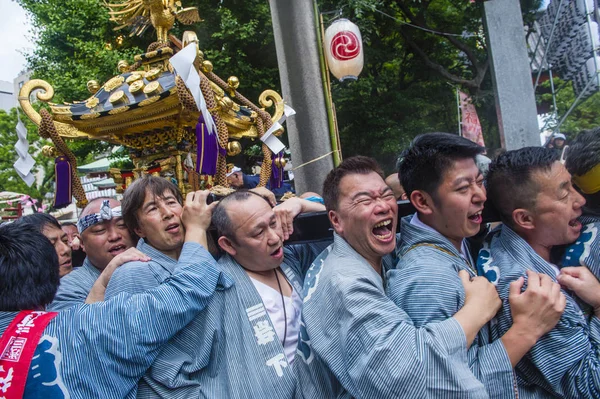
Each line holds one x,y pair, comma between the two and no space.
513,88
295,29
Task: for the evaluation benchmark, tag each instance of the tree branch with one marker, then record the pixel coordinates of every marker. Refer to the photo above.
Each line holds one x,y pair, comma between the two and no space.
470,83
479,69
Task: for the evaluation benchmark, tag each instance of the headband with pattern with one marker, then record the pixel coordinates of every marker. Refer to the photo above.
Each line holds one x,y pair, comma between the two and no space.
106,213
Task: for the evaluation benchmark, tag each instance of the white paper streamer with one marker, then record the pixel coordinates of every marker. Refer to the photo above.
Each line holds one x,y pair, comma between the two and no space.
274,144
183,62
25,162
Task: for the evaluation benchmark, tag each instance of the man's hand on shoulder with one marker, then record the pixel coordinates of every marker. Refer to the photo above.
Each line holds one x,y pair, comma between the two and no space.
583,282
534,312
99,288
481,304
539,307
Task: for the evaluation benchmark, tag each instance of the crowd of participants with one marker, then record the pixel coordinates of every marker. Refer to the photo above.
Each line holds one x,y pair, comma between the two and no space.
160,309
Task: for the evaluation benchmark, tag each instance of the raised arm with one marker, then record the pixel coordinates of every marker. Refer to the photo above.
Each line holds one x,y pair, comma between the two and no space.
288,210
124,334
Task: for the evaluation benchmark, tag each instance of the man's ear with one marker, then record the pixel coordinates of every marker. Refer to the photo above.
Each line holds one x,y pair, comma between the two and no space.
422,202
139,232
226,245
336,222
523,219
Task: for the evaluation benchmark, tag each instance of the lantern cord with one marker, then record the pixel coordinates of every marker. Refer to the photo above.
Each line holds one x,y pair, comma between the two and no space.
337,14
435,32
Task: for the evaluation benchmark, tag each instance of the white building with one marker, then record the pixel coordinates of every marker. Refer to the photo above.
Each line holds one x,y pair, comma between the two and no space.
7,99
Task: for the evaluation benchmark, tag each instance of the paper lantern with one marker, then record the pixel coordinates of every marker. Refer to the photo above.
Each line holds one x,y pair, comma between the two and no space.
344,50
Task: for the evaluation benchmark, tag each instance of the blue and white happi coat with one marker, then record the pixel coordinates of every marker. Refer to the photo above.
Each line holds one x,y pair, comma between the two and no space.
563,363
75,286
356,343
102,350
426,285
231,350
586,250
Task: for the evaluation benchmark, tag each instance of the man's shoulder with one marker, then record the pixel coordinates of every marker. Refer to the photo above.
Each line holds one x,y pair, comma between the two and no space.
78,278
133,270
425,254
502,263
338,272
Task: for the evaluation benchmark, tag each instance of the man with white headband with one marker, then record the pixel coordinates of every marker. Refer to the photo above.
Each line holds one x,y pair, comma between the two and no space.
105,239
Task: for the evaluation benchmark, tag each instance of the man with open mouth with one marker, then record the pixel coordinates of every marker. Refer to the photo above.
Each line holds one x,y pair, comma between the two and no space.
244,344
354,341
105,239
540,208
443,182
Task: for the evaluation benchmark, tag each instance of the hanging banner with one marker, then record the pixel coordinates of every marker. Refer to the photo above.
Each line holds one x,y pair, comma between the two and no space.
25,162
471,128
274,144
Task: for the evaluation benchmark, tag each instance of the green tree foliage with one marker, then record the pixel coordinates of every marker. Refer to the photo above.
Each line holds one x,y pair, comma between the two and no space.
403,90
411,73
584,116
9,179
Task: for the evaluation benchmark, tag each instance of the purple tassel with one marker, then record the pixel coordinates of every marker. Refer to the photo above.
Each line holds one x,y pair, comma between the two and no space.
276,171
207,149
62,173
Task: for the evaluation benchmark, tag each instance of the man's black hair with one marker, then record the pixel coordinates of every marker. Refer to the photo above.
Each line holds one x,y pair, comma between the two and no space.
509,181
429,156
220,218
350,166
39,221
28,268
582,155
584,152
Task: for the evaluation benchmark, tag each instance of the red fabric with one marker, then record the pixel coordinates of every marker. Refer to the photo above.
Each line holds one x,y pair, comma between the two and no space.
18,344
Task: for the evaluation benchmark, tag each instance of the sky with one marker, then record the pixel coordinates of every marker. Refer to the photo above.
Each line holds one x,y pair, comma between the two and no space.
14,31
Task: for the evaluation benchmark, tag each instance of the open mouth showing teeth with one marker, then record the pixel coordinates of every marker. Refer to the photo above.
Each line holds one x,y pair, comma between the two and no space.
117,249
383,230
574,223
476,217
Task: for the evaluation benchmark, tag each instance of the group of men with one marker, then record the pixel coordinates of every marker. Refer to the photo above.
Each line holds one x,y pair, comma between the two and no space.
372,314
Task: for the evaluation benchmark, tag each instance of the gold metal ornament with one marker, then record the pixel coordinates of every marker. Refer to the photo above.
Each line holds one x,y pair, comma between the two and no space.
161,126
234,148
114,83
207,66
93,86
117,97
123,66
92,102
153,73
136,86
161,14
134,77
152,88
233,82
